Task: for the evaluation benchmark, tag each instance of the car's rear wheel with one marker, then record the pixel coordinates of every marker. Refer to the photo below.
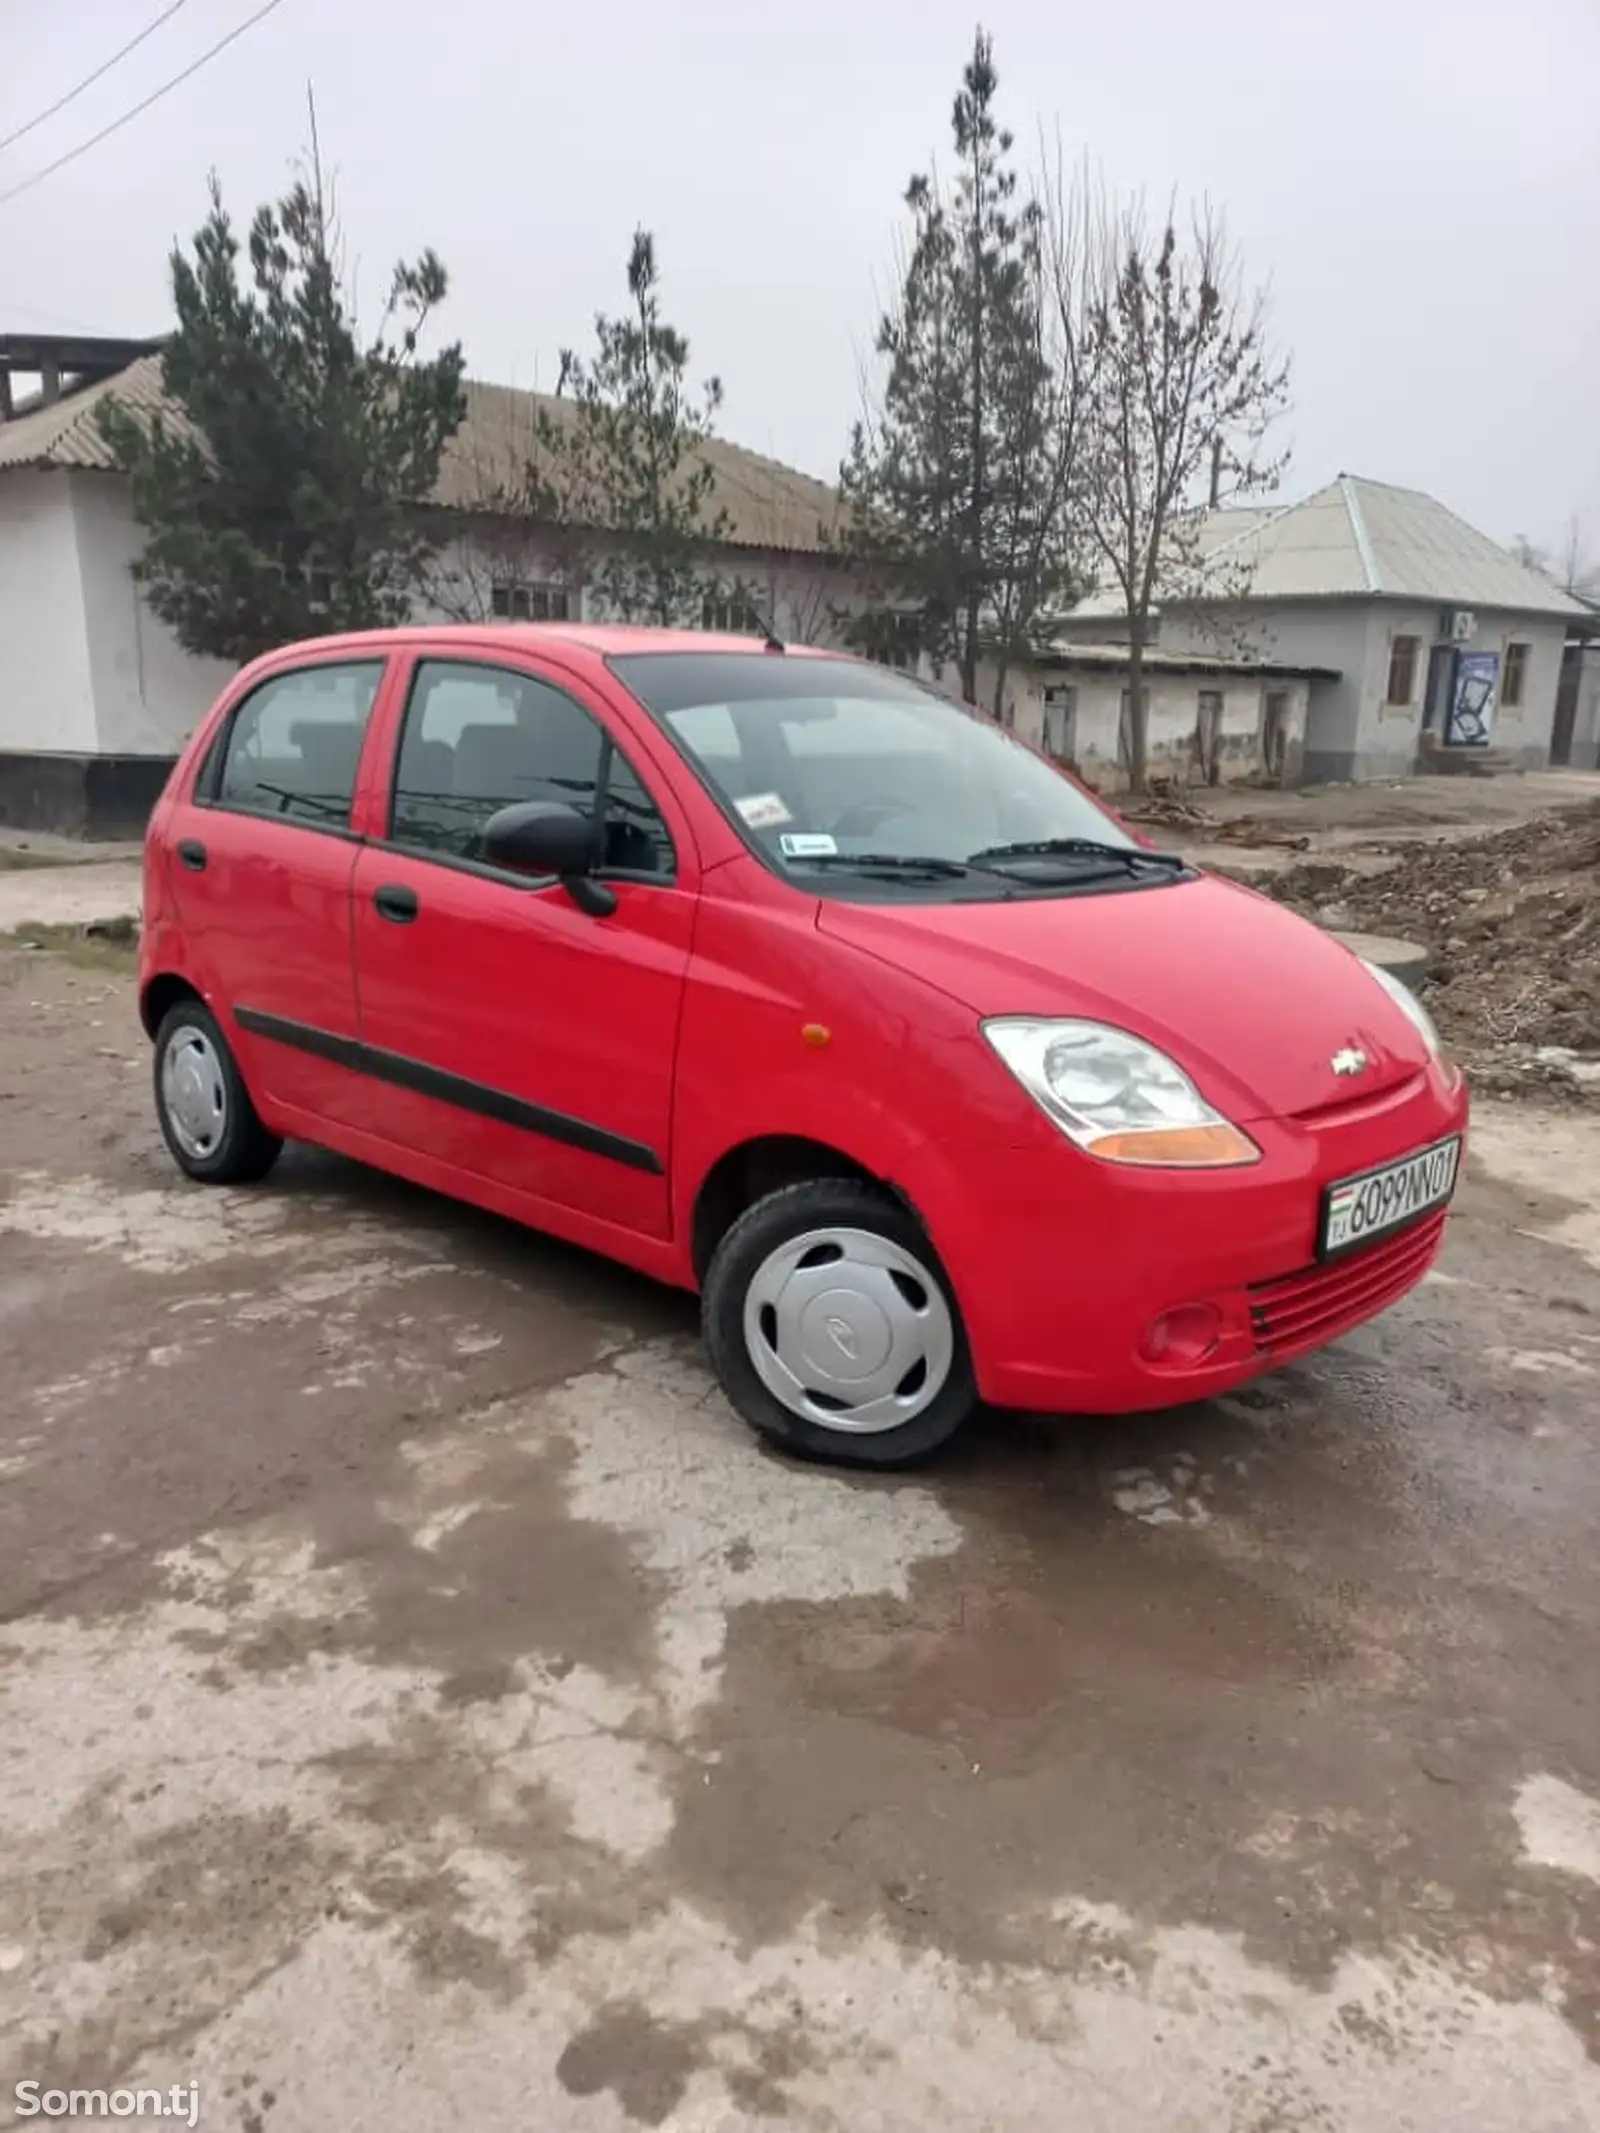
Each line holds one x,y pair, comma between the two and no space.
207,1118
833,1329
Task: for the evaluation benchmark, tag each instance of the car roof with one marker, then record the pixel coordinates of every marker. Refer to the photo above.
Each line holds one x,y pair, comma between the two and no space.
597,638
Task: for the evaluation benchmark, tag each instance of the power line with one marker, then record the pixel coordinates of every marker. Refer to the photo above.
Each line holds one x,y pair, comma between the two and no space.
154,97
89,80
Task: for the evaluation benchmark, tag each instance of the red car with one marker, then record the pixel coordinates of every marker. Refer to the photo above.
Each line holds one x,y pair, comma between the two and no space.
780,977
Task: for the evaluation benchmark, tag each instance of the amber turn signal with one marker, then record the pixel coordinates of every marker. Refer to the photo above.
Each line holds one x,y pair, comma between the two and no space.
1216,1147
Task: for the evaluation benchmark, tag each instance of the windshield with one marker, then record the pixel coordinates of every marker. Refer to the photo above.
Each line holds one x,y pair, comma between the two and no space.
834,767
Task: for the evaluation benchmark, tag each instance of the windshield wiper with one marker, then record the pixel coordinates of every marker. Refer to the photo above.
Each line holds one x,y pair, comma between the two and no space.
889,862
1129,855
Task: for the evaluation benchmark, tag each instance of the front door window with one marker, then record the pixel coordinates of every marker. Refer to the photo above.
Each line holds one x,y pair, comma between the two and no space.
478,738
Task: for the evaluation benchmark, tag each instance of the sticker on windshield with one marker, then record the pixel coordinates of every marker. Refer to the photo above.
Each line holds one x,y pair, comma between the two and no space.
763,810
811,844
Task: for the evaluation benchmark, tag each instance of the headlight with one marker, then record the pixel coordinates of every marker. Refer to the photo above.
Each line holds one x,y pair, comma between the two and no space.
1410,1006
1117,1096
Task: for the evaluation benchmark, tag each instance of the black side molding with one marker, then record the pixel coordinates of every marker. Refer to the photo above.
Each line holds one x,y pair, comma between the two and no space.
475,1096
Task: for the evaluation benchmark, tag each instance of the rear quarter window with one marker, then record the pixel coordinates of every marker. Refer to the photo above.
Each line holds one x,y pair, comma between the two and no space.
292,748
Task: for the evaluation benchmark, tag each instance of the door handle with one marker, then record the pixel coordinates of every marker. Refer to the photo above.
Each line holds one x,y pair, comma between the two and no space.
192,853
397,905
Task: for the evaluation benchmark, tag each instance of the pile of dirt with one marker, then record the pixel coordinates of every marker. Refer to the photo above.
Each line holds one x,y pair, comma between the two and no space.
1511,920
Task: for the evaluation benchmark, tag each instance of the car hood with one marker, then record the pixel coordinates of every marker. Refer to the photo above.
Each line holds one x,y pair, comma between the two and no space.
1252,1001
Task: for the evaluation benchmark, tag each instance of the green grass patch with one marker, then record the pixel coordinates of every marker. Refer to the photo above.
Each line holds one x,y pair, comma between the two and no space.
13,860
112,946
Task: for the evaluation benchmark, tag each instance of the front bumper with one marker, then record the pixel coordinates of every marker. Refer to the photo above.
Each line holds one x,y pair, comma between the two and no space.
1062,1264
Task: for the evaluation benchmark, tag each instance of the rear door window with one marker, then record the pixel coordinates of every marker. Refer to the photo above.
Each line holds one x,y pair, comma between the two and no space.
293,747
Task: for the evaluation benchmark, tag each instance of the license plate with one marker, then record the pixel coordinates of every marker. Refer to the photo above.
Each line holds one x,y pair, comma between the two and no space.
1359,1210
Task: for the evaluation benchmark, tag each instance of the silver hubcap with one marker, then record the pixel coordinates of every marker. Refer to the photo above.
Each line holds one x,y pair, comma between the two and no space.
193,1093
848,1330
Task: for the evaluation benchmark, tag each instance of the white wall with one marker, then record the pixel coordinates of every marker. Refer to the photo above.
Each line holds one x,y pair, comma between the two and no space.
1092,741
1354,732
90,670
46,695
803,599
1334,634
149,693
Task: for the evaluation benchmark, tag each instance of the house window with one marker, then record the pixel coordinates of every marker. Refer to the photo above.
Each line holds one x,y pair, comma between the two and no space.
893,640
731,615
1515,678
517,601
1402,671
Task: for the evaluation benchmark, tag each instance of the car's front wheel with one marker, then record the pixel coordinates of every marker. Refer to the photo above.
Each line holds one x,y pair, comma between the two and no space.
833,1329
207,1118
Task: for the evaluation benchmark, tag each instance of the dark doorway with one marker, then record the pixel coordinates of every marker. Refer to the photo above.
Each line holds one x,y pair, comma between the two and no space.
1275,734
1566,703
1441,686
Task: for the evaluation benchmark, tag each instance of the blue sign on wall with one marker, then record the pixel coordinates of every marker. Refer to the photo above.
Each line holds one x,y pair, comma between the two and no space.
1470,720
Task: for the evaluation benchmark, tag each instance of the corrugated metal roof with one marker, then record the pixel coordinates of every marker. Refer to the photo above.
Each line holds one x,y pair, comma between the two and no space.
1363,538
1063,653
768,505
66,434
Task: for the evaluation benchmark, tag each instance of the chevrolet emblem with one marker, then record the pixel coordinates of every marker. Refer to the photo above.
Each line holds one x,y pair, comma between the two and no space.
1349,1061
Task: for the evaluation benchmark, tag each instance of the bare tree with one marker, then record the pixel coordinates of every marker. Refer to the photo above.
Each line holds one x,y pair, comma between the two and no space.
1077,223
1570,567
1181,390
1579,572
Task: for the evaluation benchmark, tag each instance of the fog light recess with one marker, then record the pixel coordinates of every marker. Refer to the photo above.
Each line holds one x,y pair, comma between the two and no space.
1184,1336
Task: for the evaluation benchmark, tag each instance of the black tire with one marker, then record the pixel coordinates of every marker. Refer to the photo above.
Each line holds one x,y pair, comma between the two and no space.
243,1150
782,1216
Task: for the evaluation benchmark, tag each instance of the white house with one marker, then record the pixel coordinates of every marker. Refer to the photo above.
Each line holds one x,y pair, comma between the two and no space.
100,696
1213,718
1425,643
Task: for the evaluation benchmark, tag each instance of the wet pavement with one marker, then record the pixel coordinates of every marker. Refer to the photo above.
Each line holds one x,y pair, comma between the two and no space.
423,1706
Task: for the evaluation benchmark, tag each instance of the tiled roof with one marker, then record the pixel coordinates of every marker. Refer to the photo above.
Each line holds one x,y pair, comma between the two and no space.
1359,538
768,505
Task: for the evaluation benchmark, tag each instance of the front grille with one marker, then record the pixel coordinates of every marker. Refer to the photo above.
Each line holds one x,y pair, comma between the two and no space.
1304,1309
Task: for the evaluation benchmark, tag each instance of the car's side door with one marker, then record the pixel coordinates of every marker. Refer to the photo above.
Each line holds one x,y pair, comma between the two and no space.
507,1031
261,854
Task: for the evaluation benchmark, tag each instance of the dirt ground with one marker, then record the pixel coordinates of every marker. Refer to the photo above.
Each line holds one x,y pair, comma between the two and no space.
422,1706
1498,879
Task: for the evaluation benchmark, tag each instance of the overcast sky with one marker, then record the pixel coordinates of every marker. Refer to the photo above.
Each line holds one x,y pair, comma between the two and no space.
1418,181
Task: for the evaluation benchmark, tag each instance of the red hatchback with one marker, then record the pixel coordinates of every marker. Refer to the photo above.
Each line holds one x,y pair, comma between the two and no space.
782,978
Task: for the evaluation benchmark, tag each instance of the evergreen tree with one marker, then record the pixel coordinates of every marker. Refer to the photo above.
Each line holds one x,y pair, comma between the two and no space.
279,498
632,450
956,480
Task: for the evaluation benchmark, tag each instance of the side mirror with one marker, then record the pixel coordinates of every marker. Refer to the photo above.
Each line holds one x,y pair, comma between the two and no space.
544,837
